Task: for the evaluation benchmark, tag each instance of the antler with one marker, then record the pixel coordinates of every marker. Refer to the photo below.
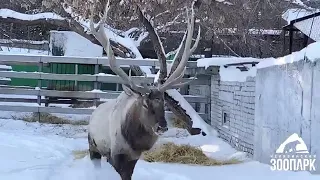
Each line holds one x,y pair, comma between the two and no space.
101,36
174,80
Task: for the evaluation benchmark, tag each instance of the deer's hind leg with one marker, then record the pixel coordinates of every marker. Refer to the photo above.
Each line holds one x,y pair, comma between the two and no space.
94,154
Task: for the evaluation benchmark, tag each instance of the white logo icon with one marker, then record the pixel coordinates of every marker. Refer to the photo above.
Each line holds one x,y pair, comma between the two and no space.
293,155
294,144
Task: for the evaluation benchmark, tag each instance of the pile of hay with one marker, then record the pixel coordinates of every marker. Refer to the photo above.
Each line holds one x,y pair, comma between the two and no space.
172,153
178,123
50,119
183,154
79,154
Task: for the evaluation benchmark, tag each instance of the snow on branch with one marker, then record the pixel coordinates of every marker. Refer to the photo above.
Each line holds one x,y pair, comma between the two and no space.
157,44
8,13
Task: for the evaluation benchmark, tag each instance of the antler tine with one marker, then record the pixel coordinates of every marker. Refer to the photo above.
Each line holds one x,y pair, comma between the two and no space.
195,45
179,71
104,41
186,53
184,83
179,52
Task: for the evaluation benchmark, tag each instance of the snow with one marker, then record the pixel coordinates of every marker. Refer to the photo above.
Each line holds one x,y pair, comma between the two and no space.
311,52
140,38
250,31
198,122
5,67
220,61
234,74
4,79
22,41
295,13
37,151
8,13
130,44
74,44
310,27
22,51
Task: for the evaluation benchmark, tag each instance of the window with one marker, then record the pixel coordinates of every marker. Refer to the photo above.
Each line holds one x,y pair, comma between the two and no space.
225,119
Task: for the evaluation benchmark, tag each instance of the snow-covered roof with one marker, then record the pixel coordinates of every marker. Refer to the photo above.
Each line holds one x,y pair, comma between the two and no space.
221,61
231,73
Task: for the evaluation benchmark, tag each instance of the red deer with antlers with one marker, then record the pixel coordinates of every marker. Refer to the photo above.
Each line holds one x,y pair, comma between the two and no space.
122,129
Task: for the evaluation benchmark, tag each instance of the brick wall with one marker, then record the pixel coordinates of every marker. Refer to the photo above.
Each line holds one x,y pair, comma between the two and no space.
232,112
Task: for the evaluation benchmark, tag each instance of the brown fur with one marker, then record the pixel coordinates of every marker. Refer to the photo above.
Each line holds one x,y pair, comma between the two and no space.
136,130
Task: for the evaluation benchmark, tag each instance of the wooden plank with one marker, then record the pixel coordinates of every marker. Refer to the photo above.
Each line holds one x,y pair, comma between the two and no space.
46,109
13,86
83,77
118,80
71,77
123,61
69,59
25,75
65,110
83,94
196,99
19,108
60,110
16,91
23,100
68,94
20,58
81,60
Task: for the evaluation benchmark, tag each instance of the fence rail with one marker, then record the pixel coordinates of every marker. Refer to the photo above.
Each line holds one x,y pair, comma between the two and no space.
39,95
37,59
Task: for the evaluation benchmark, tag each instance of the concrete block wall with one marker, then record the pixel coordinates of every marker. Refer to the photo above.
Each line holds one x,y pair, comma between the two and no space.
232,112
287,102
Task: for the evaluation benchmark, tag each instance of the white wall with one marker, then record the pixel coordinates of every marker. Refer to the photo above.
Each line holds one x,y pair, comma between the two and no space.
236,99
287,102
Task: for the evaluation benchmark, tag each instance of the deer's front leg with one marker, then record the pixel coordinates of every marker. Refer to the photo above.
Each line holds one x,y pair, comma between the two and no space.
123,165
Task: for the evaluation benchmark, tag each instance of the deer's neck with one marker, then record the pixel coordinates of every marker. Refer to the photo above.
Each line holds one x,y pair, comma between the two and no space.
137,133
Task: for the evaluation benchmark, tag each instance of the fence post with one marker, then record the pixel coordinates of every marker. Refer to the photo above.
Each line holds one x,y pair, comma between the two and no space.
40,68
95,85
76,82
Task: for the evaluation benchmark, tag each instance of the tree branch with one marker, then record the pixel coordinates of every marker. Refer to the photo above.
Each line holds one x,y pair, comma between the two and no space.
72,25
157,45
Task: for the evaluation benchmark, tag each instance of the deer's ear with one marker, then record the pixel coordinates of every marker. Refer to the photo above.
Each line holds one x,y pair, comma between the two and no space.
128,90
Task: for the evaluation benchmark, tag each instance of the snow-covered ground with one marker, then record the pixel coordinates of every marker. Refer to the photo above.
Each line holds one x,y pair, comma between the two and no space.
34,151
20,51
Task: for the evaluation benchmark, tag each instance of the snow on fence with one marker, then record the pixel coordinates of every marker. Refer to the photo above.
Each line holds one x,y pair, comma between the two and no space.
95,95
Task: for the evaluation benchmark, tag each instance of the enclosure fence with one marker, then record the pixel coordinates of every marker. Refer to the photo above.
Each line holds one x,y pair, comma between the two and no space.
39,98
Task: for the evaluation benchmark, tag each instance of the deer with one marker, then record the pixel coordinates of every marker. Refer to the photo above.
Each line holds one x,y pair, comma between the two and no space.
122,129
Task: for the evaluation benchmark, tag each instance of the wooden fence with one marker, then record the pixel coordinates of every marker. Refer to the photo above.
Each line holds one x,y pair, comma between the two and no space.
38,95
